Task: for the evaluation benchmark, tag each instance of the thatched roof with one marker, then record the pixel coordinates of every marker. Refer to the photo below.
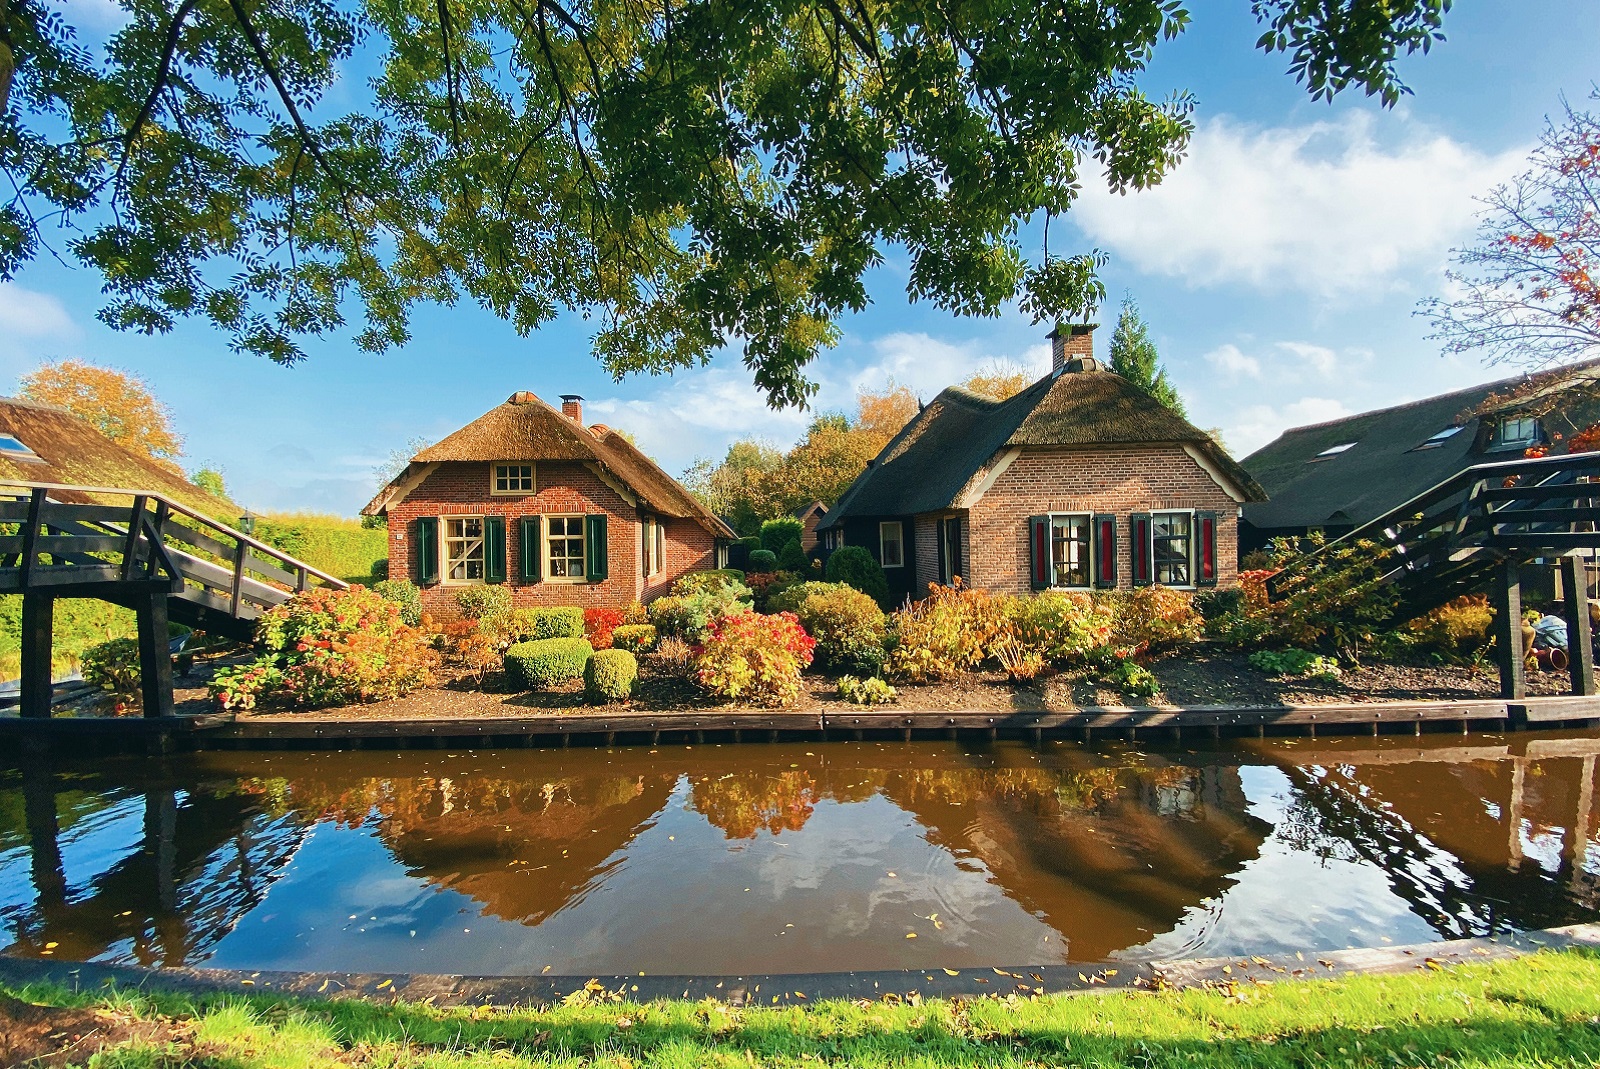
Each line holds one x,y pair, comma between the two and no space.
1384,469
928,465
525,428
70,451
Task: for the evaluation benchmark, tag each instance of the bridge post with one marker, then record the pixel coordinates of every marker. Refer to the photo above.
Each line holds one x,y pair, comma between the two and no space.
155,662
38,618
1580,633
1508,630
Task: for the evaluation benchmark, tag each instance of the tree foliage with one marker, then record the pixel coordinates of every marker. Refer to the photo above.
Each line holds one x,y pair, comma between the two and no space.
1529,289
1134,357
116,403
1000,380
688,174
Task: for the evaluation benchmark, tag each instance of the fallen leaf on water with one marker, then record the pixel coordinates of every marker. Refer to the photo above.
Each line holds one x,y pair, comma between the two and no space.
544,970
799,994
324,986
51,946
1082,977
952,972
1108,972
1000,972
911,935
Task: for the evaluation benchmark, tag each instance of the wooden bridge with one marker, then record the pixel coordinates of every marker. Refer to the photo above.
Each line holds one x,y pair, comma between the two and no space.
1476,529
158,557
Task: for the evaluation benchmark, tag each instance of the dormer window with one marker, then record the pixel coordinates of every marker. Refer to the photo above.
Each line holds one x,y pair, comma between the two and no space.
12,448
1334,450
513,479
1515,432
1439,438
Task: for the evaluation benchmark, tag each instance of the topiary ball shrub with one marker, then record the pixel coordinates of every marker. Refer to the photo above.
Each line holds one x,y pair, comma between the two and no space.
547,662
792,558
562,621
855,565
404,593
763,560
775,534
476,602
610,677
635,638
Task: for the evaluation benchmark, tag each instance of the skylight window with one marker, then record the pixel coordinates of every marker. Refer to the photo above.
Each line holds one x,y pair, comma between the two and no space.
1334,450
11,448
1440,437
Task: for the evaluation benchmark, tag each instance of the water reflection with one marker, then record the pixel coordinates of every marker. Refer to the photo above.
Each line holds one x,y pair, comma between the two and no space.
783,858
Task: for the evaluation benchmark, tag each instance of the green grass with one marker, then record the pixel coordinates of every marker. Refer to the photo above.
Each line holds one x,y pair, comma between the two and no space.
1542,1010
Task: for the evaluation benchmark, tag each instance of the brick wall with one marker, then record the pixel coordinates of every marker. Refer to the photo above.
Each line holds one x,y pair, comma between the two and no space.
1118,480
563,488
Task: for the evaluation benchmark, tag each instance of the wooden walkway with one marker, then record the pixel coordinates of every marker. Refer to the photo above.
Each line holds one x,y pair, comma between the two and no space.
226,731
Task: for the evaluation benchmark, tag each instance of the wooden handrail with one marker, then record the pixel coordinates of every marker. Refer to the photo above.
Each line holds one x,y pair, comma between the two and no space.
271,552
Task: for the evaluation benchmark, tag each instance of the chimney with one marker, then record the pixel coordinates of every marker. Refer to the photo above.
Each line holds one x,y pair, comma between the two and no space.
572,407
1072,348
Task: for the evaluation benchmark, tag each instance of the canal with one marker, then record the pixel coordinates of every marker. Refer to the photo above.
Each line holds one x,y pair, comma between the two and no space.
793,857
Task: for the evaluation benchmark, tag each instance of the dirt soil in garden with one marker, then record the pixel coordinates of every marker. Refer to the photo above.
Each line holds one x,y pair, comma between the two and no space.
52,1036
1198,676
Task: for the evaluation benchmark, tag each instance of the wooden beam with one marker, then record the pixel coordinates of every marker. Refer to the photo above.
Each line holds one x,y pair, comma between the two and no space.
30,535
1580,633
1508,631
155,661
38,613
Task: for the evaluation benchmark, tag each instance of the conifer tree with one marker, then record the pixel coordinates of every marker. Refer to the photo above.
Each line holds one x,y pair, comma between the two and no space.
1134,357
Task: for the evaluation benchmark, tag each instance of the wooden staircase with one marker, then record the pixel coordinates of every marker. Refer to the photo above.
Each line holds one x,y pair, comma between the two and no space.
152,554
1474,531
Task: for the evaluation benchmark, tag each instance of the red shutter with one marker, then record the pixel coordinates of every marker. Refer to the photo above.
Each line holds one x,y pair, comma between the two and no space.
1139,531
1206,549
1105,551
1039,546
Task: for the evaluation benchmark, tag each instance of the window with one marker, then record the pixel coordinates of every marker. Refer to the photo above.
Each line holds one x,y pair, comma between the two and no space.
1171,546
1516,431
949,549
1439,438
11,448
1069,550
513,478
463,549
564,548
891,544
654,547
1334,450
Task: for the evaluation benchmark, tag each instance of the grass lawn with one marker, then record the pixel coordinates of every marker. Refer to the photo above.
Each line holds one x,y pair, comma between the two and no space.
1542,1010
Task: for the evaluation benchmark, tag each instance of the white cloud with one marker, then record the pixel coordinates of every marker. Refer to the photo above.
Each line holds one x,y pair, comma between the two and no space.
102,15
1255,425
927,365
1322,208
29,314
1229,360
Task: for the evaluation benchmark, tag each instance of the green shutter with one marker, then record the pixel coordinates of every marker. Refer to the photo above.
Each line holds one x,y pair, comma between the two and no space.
594,544
1039,552
425,550
494,549
530,539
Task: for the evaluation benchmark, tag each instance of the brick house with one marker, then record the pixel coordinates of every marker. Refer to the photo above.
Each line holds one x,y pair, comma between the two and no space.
562,514
1078,482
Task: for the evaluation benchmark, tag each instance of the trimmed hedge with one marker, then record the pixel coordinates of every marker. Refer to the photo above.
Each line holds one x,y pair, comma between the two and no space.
547,662
609,677
855,565
477,602
709,579
563,621
775,534
635,638
792,558
763,560
333,544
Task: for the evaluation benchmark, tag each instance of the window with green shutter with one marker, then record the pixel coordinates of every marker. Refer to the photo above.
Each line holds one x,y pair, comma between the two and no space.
530,549
494,549
425,550
595,542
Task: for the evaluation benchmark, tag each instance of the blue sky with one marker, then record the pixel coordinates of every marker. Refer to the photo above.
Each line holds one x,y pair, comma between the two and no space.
1278,268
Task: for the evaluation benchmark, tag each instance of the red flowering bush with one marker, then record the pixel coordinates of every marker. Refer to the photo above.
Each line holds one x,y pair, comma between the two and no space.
754,657
335,647
598,625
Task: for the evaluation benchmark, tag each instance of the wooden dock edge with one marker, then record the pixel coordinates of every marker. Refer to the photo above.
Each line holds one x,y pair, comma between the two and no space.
600,727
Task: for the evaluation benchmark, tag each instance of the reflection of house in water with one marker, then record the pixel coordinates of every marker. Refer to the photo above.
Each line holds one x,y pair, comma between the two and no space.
201,861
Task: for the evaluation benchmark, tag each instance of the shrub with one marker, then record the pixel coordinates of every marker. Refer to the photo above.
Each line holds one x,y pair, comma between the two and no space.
557,621
1456,629
754,657
635,638
670,615
712,579
792,557
1061,627
598,624
635,613
788,598
763,560
404,593
1214,603
674,658
870,691
775,534
854,565
1295,662
546,662
609,677
476,602
1131,677
241,686
380,570
478,653
1339,601
1153,618
689,615
113,666
849,627
1021,661
952,630
342,646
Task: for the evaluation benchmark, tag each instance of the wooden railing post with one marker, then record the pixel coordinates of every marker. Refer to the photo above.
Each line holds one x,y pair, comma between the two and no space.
130,549
1580,632
301,580
30,534
240,549
1508,630
158,533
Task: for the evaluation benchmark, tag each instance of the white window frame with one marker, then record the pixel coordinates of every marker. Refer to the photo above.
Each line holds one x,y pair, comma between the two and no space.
1191,536
494,480
900,539
548,534
1502,441
653,545
445,559
1050,548
1327,454
1438,438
